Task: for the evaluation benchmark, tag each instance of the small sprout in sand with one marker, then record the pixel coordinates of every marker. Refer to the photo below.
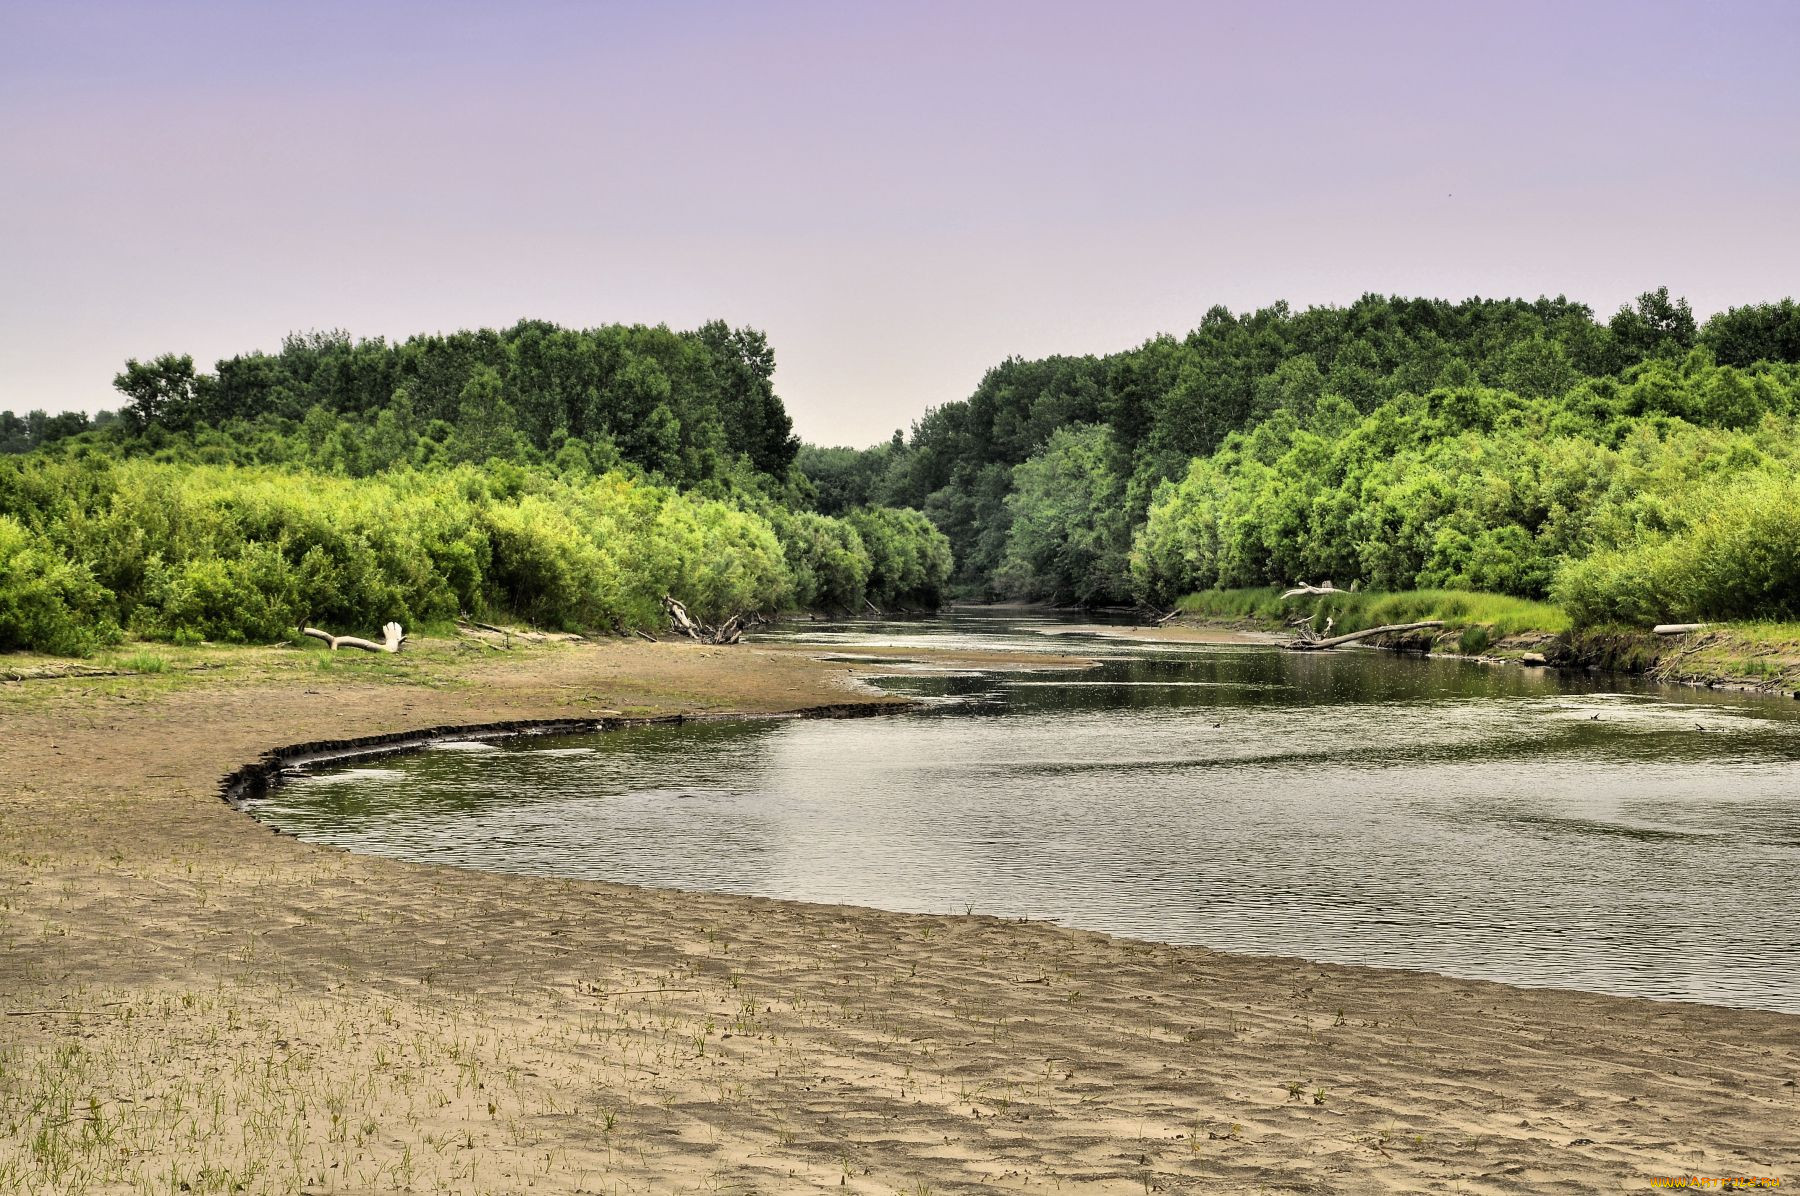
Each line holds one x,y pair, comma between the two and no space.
1295,1089
1340,1018
1318,1096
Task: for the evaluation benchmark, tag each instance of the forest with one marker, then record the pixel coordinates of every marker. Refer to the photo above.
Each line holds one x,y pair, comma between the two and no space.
566,478
1633,470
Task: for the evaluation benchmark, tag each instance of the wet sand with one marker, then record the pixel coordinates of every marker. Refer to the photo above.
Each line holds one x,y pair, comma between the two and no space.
191,1000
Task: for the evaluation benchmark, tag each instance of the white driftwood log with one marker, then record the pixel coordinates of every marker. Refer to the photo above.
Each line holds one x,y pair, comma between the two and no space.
392,631
1304,588
1678,628
1306,645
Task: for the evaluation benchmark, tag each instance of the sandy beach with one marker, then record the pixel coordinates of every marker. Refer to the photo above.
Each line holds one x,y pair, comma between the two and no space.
192,1003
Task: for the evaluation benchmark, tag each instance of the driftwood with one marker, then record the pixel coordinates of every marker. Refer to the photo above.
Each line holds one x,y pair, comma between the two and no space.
1312,645
53,672
482,633
484,626
728,632
392,643
1678,628
1304,588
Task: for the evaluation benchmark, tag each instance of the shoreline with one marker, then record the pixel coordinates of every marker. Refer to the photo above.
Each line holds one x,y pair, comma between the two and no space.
651,1040
1713,658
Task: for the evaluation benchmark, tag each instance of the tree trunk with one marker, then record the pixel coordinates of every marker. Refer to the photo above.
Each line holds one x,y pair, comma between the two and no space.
1305,645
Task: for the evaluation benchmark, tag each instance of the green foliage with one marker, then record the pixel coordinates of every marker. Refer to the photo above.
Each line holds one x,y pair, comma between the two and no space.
46,601
1469,488
1729,549
1068,537
687,406
90,546
1556,410
826,559
909,559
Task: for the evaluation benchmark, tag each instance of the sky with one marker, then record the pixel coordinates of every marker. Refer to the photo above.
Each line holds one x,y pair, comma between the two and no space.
901,195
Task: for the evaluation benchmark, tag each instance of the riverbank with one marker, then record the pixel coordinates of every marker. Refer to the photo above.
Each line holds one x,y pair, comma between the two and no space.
1763,657
193,1001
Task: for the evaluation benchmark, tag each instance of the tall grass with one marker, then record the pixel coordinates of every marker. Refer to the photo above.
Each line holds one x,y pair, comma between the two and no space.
1498,614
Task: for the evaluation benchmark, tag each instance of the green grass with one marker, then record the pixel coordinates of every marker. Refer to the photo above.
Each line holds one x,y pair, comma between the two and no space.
1481,618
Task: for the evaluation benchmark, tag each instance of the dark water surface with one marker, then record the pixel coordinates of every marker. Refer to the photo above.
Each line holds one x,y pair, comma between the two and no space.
1354,807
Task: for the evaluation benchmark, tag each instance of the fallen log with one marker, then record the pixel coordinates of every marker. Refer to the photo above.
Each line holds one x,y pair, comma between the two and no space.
391,644
1678,628
484,626
1306,645
53,672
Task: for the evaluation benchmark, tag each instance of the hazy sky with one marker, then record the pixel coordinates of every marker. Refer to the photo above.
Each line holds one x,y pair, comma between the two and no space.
900,195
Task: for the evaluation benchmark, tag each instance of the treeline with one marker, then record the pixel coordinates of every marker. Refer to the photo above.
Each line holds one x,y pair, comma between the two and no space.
686,406
569,479
1396,442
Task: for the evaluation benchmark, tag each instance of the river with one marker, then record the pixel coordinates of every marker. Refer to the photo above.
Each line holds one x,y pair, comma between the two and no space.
1353,807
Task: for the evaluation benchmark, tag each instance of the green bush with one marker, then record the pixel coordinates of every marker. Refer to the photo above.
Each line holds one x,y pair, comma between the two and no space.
909,558
48,603
1730,551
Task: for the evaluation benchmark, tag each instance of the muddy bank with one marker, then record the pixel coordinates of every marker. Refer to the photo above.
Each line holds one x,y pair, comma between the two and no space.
191,1000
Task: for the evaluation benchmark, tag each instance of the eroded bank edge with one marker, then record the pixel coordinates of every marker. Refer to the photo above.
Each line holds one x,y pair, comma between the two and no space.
260,776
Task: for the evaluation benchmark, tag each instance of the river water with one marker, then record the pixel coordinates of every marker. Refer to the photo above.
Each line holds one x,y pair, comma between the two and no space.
1353,807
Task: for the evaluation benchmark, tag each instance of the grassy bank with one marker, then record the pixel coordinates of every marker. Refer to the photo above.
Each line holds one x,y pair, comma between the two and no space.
1472,621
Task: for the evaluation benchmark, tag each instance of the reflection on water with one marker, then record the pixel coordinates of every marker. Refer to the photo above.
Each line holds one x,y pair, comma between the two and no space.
1354,807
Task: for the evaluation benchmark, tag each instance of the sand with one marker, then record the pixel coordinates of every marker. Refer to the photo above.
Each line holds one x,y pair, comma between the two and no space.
192,1003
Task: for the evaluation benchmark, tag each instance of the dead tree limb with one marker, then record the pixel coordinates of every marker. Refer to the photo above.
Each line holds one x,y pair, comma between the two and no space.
392,643
680,619
1304,588
1678,628
1306,645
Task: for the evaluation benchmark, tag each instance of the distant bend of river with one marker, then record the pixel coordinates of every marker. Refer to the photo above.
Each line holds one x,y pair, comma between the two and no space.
1352,807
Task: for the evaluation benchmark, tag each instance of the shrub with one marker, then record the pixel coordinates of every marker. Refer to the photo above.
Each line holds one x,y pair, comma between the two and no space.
47,602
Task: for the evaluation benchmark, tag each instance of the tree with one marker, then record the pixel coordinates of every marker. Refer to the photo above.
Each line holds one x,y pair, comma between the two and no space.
1069,536
162,392
1655,326
485,426
1743,336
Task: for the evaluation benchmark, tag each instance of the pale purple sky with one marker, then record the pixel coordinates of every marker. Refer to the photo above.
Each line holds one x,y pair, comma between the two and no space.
900,195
